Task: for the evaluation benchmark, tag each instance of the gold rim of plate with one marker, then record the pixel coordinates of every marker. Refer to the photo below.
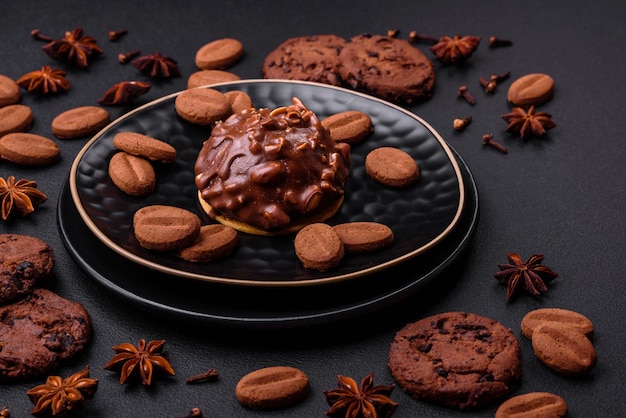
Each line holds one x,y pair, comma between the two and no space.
266,283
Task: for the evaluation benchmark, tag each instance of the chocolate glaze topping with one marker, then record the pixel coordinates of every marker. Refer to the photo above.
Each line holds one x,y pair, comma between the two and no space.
271,168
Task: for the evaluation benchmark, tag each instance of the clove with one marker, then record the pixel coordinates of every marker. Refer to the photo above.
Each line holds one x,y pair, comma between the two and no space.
463,92
194,413
493,82
126,57
115,35
210,375
488,140
497,42
416,37
460,124
38,36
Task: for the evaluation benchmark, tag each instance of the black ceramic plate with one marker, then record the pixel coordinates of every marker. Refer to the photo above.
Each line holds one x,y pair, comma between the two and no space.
420,216
261,308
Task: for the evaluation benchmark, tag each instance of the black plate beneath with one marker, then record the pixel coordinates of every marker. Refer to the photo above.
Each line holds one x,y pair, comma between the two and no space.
260,308
420,216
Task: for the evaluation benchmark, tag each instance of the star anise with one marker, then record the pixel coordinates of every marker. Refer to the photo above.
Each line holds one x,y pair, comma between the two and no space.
364,401
142,358
531,275
528,123
157,66
123,92
455,50
74,48
59,397
21,197
45,81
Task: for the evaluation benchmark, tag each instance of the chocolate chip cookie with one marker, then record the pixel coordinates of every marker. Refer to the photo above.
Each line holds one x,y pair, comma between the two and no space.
457,359
306,58
39,333
388,68
25,262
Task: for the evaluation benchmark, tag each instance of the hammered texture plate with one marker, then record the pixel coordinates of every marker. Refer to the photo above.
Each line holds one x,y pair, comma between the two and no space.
264,308
420,216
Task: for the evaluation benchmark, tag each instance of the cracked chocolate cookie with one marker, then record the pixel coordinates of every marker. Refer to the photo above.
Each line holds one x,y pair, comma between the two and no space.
457,359
39,333
25,262
307,58
388,68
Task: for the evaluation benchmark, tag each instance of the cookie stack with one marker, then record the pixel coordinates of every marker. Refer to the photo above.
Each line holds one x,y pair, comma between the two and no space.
39,330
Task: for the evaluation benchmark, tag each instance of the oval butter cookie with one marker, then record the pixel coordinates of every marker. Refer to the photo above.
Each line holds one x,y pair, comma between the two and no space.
351,126
165,228
202,106
133,175
80,122
362,237
9,91
15,118
219,54
319,247
145,146
272,388
29,149
207,77
392,167
214,242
